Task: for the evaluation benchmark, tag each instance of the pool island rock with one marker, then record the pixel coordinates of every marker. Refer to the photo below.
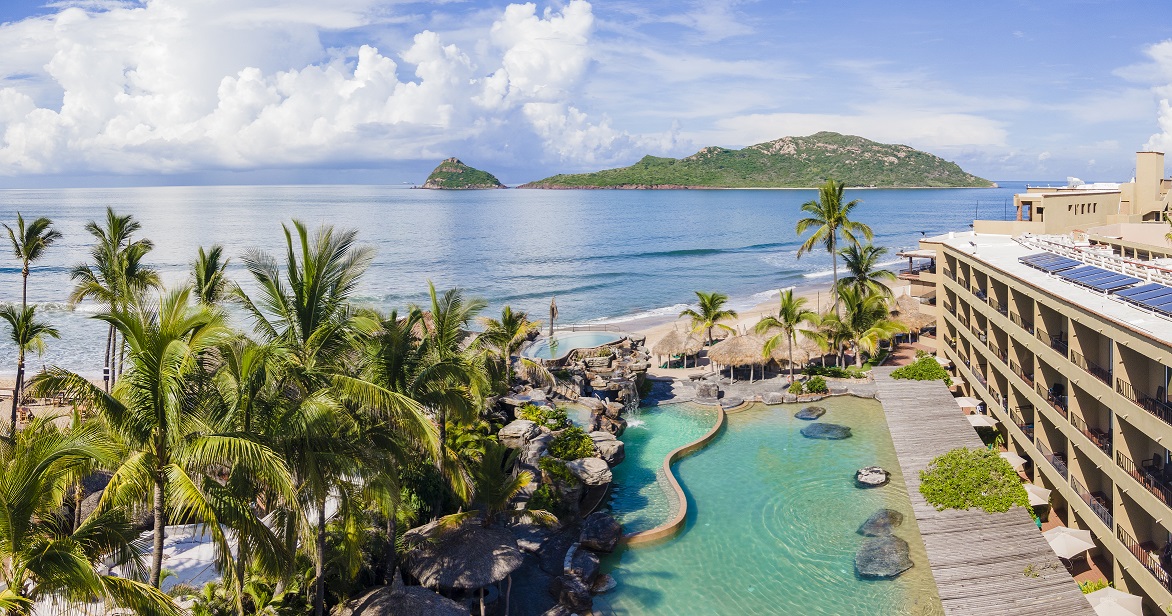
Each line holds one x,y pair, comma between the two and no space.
883,558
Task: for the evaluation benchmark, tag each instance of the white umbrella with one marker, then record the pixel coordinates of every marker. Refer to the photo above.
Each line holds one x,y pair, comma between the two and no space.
1068,542
1110,602
1038,495
979,421
966,402
1017,461
956,381
944,361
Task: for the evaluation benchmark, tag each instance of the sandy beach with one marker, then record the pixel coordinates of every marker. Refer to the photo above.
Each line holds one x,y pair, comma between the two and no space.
817,296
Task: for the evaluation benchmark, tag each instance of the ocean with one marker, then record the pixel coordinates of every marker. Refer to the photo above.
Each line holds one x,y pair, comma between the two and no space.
607,255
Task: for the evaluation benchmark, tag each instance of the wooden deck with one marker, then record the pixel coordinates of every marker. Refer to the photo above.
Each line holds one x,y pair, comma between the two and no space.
979,560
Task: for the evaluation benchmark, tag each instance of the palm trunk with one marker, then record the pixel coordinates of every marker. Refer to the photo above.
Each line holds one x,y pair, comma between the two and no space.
791,359
391,557
24,287
437,505
858,356
160,529
319,598
108,374
16,389
241,558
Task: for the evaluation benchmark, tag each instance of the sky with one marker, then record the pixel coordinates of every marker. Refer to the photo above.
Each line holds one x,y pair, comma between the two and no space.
144,92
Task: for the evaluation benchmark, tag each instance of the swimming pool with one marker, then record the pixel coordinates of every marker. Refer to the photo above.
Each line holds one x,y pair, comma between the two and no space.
772,519
561,344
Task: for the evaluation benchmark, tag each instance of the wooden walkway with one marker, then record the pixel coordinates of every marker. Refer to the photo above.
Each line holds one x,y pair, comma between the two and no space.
979,560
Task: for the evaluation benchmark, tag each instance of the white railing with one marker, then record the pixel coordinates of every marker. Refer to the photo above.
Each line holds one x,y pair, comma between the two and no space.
1105,259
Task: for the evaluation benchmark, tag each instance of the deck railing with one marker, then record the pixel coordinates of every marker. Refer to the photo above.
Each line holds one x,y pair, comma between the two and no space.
998,353
1059,403
1160,409
1101,439
1101,510
1151,563
1058,343
1095,370
980,293
1018,415
1025,324
1027,377
998,306
1146,478
1057,460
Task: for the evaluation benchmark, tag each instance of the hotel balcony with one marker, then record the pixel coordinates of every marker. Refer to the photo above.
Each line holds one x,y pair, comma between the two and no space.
1097,501
1057,460
1023,418
1101,439
1058,402
1155,479
1095,370
914,273
1160,409
1025,324
1145,553
1028,377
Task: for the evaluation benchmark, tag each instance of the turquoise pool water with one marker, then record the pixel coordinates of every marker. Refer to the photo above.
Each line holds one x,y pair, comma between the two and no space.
560,344
772,521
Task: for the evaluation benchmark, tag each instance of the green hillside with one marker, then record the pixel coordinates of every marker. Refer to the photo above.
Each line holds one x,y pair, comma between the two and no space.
789,162
452,174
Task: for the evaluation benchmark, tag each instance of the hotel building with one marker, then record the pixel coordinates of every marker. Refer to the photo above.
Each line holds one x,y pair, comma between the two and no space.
1061,322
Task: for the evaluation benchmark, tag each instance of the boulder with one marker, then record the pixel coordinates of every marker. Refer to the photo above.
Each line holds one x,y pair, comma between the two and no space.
826,431
637,339
595,363
707,389
552,557
572,593
614,410
592,403
599,384
789,398
871,477
537,395
585,566
600,532
810,413
609,448
605,583
881,523
614,426
517,433
882,558
592,471
773,397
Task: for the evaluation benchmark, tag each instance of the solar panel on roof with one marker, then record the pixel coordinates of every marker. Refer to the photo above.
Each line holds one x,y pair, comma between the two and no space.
1141,289
1079,272
1058,266
1113,283
1159,306
1151,295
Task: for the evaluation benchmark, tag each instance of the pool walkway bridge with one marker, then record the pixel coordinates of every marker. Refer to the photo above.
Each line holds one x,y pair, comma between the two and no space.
985,564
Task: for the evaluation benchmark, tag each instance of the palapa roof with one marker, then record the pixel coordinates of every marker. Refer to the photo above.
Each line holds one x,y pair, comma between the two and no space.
671,344
468,557
738,351
693,343
400,600
910,313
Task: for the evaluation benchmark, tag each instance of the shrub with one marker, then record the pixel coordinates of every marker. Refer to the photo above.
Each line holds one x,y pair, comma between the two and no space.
573,443
546,498
835,372
817,385
967,478
923,369
1091,586
551,417
795,387
556,469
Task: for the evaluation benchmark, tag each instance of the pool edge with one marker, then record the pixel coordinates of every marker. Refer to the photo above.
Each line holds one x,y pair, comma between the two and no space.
672,527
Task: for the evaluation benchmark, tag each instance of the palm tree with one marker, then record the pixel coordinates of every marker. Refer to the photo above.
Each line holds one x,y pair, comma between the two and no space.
28,334
864,273
178,451
503,339
29,244
330,415
710,314
208,275
117,277
41,556
829,217
790,313
865,321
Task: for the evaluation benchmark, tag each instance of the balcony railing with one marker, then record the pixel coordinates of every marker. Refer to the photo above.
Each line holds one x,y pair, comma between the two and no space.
1019,418
1098,505
1058,402
1028,377
1057,460
1145,557
1160,409
1095,370
914,272
1101,439
1025,324
998,306
978,373
980,333
1146,477
1058,343
998,353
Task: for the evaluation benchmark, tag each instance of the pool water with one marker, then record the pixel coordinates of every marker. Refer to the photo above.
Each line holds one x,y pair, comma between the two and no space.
560,344
772,520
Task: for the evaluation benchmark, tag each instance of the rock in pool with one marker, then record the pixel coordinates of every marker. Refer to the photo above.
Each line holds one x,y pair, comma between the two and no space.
810,412
882,558
881,523
773,397
600,532
826,431
871,477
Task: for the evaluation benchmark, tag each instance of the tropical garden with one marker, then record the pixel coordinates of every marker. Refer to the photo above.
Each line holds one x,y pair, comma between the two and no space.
302,445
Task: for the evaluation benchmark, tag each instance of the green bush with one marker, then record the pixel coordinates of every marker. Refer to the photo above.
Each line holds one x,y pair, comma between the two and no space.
967,478
923,369
817,385
557,469
546,498
1091,586
835,372
573,443
795,387
551,417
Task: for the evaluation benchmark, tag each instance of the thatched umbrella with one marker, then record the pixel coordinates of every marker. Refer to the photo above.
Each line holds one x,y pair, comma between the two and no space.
809,348
468,557
400,600
738,351
693,344
671,344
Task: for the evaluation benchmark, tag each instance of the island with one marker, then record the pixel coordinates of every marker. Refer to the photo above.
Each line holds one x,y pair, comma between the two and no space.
789,162
451,174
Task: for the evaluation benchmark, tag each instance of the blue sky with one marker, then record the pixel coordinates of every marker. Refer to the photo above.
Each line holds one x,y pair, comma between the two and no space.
99,92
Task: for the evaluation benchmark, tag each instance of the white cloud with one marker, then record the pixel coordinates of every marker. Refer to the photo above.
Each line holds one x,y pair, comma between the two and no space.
171,85
1044,156
1159,73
